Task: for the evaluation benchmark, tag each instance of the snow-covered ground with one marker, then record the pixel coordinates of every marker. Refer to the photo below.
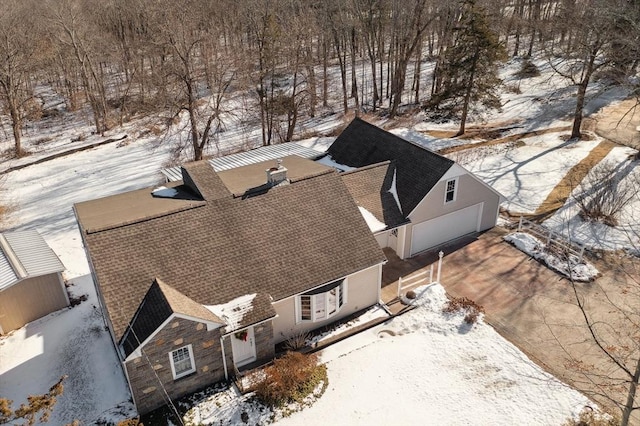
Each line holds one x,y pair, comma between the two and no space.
526,175
428,367
424,367
593,234
567,264
74,342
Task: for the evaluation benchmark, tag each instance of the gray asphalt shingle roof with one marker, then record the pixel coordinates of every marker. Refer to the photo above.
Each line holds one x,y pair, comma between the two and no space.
370,187
418,169
160,302
280,243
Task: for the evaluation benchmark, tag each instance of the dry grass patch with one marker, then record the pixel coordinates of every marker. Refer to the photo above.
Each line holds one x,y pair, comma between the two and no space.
464,304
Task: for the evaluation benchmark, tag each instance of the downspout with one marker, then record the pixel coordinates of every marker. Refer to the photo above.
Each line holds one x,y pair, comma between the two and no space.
224,359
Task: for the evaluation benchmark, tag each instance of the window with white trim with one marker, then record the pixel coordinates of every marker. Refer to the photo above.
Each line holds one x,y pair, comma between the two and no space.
182,363
451,190
321,303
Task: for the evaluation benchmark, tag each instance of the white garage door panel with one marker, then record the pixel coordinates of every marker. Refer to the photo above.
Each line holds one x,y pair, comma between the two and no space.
442,229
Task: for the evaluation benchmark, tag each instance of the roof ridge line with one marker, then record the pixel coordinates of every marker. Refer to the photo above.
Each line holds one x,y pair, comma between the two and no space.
12,257
313,175
370,166
146,219
404,140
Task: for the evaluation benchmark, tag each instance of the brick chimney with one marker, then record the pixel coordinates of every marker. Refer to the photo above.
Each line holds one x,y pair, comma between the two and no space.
277,175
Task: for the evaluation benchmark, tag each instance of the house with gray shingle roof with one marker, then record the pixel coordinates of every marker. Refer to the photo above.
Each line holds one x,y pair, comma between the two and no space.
209,273
31,283
420,199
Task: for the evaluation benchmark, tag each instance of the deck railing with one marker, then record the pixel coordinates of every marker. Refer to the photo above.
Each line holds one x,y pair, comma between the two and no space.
551,238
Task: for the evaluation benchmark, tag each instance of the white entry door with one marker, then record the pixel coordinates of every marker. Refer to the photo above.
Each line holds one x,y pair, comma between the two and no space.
243,345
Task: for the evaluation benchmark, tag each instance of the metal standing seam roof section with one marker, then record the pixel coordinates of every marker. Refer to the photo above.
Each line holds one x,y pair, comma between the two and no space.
264,153
7,274
33,253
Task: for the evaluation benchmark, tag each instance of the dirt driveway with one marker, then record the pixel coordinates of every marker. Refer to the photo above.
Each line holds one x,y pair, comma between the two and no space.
534,308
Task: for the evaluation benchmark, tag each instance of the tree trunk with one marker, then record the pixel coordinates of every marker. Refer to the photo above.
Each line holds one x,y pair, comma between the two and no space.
354,80
416,74
467,96
582,90
397,85
191,106
16,127
577,115
631,396
325,77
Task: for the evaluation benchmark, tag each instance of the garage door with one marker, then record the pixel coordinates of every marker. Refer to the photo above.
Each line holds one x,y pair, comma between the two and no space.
445,228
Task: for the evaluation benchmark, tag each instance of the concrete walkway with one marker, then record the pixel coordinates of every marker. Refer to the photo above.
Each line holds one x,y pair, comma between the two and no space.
531,306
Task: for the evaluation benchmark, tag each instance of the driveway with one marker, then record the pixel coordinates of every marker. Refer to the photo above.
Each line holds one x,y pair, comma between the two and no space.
533,307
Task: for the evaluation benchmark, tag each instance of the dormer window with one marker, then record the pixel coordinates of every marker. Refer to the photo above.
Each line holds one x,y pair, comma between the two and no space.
451,190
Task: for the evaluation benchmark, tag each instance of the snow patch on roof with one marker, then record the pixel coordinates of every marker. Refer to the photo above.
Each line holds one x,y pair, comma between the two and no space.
374,224
164,192
394,191
328,161
233,311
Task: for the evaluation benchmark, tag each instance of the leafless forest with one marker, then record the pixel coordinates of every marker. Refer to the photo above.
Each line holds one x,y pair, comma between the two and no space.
122,59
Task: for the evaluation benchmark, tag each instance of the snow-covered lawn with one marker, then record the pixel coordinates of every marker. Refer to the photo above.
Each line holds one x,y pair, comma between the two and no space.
436,370
424,367
430,368
74,341
592,234
526,175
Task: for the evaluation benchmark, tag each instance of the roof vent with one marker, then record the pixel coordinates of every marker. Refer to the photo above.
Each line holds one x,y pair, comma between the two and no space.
277,175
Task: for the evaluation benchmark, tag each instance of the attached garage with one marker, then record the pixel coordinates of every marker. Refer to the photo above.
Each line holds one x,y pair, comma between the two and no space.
437,231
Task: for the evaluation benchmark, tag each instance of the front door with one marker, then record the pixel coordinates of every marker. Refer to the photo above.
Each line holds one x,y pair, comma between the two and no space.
243,345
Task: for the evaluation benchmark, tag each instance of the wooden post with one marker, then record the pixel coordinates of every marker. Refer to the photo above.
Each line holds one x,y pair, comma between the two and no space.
431,274
440,255
520,224
399,286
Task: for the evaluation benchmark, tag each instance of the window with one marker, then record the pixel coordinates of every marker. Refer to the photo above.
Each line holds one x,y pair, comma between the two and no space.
182,362
321,303
305,308
451,189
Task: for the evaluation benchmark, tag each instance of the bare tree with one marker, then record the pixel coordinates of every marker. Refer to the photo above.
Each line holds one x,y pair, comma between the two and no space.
586,44
606,191
409,25
38,408
618,342
76,32
182,33
21,50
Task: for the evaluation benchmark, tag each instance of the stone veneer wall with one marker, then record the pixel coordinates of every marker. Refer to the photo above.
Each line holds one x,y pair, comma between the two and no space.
207,355
265,347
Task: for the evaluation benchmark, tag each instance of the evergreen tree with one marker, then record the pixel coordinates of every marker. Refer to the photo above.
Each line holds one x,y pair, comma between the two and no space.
469,71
